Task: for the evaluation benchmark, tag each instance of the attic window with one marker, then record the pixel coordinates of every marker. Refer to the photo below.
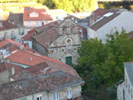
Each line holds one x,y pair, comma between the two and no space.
28,9
108,14
33,14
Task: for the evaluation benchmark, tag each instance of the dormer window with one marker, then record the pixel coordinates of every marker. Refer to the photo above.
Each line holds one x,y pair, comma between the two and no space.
33,14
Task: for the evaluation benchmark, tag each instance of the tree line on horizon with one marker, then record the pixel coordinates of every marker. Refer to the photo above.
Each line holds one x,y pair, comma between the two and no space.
67,5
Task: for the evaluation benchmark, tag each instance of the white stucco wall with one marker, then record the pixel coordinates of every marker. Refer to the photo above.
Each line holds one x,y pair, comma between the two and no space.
124,20
8,33
35,23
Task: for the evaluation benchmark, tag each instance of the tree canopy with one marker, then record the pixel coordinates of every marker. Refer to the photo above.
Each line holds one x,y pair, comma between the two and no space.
102,64
71,5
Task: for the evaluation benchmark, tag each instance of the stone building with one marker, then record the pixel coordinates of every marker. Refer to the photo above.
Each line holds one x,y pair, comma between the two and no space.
60,40
30,76
125,89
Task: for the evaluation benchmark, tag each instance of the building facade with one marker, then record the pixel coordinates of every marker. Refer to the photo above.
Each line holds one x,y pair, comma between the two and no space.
36,77
125,89
109,21
35,17
61,41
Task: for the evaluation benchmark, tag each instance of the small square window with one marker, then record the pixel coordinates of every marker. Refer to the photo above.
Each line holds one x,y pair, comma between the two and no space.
56,96
39,98
69,94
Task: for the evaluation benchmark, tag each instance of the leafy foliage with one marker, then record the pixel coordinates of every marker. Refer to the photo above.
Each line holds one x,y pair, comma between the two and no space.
71,5
102,64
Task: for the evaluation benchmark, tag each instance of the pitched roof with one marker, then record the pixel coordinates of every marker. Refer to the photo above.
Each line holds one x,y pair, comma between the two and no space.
25,58
6,41
32,59
17,18
28,36
99,12
129,69
47,34
7,25
43,15
47,37
7,66
103,21
51,82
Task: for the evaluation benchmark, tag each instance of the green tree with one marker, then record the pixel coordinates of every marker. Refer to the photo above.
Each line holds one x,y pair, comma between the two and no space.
71,5
102,64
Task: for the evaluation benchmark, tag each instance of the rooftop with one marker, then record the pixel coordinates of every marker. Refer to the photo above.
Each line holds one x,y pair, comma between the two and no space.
102,17
32,61
42,14
17,18
48,83
6,42
5,25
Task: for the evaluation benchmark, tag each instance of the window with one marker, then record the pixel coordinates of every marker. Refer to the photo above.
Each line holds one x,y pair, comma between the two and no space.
34,14
56,96
37,23
68,41
69,94
29,24
69,60
12,35
64,29
5,35
60,59
39,98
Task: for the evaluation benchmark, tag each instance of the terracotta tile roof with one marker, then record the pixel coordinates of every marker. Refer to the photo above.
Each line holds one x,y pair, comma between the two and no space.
46,37
6,41
7,66
25,58
28,36
13,48
43,15
50,82
33,60
17,18
41,68
7,25
47,34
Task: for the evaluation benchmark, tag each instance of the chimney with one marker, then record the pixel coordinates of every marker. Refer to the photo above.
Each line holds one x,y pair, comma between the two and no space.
12,71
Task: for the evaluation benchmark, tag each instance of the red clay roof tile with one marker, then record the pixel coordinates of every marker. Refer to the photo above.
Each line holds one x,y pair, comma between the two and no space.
43,15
